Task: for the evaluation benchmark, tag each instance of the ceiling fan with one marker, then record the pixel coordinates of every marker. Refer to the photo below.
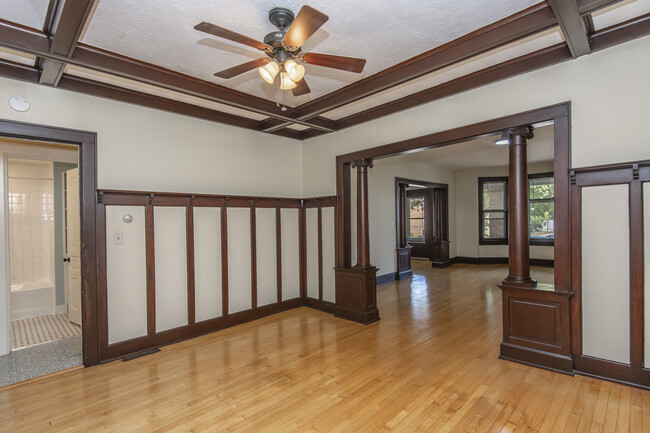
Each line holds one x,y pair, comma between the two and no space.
283,49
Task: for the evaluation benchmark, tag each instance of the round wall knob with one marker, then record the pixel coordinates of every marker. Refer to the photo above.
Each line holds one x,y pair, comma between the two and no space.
127,218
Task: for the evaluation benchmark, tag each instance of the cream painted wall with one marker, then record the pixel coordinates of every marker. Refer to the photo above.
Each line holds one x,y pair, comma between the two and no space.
467,213
381,204
609,91
145,149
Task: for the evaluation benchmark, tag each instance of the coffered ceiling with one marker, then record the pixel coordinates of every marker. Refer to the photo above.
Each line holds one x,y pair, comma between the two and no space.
148,52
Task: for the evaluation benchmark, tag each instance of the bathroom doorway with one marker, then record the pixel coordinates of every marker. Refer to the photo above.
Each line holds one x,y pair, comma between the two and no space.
42,227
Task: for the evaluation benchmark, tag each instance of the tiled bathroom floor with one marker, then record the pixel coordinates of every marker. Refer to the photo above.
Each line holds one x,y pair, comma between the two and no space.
39,360
41,329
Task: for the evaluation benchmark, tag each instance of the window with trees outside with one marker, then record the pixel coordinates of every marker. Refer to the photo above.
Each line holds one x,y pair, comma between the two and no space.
541,208
493,210
416,219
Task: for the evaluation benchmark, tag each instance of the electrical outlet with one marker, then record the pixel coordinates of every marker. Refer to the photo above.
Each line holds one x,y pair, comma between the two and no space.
118,238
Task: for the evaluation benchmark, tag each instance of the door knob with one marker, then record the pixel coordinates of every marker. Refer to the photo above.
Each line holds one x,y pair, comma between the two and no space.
66,259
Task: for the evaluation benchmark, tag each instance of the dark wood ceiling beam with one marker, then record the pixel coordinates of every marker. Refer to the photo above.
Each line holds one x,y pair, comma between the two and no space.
16,71
619,33
572,25
30,41
525,23
74,17
588,6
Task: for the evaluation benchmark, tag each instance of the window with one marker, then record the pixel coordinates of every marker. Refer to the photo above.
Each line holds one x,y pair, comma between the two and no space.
541,208
416,219
493,210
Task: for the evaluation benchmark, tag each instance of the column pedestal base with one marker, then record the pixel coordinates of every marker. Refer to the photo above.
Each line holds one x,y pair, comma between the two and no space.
356,294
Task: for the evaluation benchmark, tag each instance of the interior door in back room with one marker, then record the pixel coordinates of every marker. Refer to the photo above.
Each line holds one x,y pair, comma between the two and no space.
73,245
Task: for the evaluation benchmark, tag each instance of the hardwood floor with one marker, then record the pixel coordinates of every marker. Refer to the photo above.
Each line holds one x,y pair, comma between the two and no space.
429,365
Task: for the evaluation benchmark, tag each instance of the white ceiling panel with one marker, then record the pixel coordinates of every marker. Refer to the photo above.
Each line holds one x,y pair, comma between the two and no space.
17,57
158,91
505,53
480,152
30,13
620,12
385,32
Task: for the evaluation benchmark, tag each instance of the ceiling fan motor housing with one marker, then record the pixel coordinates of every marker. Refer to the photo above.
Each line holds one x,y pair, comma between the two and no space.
281,18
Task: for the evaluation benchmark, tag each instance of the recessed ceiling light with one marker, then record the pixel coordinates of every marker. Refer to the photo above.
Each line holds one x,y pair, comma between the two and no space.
19,103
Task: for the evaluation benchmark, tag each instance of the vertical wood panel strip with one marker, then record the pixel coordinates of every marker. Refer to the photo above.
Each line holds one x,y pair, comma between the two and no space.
343,228
151,271
278,247
253,255
191,295
576,273
302,246
224,258
563,228
320,253
636,274
102,277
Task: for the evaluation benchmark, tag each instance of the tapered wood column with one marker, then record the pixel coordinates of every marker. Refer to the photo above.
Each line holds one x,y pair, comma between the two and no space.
518,235
363,232
356,288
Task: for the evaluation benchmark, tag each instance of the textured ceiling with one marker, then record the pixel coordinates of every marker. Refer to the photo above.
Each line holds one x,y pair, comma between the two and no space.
384,32
480,152
30,13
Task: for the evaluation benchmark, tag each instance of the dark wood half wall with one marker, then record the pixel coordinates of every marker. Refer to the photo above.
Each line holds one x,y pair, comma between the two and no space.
190,202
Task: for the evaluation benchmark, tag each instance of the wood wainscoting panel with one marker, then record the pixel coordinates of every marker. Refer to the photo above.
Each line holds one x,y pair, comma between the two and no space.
646,268
535,321
207,262
126,291
290,253
329,251
606,273
312,253
267,281
170,246
239,260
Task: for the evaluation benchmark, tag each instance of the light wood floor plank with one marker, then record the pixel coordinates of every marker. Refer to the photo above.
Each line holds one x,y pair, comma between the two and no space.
430,365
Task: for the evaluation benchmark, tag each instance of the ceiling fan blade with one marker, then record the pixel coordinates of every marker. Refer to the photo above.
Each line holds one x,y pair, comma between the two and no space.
351,64
240,69
230,35
301,88
306,23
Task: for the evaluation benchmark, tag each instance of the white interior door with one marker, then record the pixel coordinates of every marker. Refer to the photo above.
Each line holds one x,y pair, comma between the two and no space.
73,245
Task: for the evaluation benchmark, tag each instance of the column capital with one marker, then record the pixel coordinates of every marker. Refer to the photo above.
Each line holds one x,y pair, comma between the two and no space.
525,131
365,162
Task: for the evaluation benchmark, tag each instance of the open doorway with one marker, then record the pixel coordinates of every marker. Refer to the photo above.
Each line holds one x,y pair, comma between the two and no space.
42,229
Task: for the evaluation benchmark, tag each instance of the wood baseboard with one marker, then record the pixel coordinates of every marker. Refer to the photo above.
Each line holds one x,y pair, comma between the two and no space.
388,278
498,261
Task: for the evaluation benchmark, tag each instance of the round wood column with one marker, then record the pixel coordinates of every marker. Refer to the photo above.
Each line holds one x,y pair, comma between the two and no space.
518,235
363,232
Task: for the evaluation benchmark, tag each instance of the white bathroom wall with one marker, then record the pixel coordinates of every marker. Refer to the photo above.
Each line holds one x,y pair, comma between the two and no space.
207,263
267,265
239,260
290,254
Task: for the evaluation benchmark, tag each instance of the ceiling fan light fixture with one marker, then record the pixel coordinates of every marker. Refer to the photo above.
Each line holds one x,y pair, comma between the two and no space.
285,82
269,71
295,70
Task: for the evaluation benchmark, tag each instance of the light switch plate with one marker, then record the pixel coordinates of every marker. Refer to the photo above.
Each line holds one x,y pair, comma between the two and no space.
118,238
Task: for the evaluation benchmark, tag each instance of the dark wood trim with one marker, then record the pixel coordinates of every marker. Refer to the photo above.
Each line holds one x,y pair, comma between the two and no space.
17,71
50,15
536,358
90,279
519,25
118,350
386,278
619,33
253,220
102,288
548,263
637,274
302,245
572,25
632,174
191,293
278,249
151,269
224,257
320,253
320,305
589,6
72,21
